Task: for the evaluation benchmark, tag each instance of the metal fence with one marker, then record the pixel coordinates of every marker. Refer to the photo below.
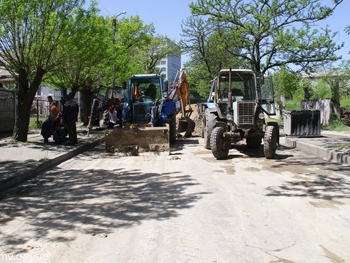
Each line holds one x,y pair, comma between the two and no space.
41,108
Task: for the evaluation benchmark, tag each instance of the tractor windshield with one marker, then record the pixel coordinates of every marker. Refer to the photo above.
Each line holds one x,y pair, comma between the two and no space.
242,86
145,89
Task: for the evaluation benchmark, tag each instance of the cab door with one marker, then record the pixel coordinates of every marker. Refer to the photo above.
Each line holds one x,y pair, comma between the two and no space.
267,96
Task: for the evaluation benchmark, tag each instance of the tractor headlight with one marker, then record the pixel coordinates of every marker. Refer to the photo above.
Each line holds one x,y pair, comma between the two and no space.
261,116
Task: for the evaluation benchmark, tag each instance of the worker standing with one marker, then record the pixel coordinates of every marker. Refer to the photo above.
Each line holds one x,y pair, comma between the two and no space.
70,118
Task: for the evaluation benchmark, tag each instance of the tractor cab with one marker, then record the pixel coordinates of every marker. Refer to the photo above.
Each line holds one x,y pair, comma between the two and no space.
143,91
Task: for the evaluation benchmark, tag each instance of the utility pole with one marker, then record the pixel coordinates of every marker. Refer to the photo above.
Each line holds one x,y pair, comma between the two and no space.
114,23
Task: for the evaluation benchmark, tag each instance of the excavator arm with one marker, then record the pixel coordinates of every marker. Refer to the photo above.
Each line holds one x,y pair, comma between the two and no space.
179,90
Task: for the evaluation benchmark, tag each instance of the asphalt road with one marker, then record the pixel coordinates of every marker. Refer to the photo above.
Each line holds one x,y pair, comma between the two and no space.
186,207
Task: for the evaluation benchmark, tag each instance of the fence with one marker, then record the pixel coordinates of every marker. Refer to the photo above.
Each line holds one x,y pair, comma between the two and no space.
7,110
40,108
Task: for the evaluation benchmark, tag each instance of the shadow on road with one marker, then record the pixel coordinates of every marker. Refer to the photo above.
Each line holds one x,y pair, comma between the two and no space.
314,178
94,202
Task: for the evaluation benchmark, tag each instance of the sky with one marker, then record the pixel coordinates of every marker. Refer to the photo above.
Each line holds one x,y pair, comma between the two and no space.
167,17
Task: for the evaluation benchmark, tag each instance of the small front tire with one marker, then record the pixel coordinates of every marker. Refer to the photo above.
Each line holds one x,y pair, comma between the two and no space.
220,146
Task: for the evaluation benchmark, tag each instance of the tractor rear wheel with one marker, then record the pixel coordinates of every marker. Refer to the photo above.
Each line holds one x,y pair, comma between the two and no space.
270,142
210,122
220,146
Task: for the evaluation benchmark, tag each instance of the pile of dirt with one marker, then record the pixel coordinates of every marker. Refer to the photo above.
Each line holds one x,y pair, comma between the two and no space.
196,119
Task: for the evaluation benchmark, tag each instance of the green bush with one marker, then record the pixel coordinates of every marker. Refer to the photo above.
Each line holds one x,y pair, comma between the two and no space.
344,102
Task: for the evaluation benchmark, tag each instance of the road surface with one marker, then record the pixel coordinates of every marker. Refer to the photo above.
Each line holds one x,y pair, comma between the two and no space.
183,207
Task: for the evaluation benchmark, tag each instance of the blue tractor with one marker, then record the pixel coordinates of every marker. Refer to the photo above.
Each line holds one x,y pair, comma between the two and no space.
148,116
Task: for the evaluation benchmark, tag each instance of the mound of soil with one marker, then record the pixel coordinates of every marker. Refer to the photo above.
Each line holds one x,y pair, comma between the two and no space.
195,118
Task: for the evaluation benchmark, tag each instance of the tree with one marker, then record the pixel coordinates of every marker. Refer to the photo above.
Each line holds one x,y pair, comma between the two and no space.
30,33
204,41
83,57
285,83
128,51
158,48
270,34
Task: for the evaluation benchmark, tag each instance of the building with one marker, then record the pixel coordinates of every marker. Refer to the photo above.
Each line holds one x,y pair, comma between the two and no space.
169,66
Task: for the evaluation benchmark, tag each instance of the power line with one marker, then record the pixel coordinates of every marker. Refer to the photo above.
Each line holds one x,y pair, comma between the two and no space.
100,4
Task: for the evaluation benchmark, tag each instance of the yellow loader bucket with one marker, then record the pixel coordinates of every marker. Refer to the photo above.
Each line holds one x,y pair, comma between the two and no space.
138,140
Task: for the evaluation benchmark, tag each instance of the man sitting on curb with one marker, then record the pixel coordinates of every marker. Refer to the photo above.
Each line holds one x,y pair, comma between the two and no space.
48,128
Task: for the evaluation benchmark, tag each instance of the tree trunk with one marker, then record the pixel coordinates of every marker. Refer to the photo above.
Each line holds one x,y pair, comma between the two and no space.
306,93
87,99
25,97
336,98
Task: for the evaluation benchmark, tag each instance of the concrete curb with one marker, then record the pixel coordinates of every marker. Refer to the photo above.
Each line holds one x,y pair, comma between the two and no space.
26,174
318,150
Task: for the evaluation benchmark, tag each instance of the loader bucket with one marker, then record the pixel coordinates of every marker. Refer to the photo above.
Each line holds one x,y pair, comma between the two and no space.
138,140
186,125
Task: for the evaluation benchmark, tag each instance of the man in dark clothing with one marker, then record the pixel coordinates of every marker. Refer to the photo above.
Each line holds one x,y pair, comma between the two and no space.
48,128
70,118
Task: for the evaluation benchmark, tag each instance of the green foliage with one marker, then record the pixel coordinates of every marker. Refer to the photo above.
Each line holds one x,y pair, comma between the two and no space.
286,83
345,101
322,90
158,48
131,44
270,34
205,43
83,54
30,33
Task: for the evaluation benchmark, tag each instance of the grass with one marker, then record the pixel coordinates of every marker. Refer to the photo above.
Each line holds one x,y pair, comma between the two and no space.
293,105
34,124
336,125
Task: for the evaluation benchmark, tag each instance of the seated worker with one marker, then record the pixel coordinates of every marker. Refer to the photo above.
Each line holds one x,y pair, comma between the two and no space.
60,133
48,128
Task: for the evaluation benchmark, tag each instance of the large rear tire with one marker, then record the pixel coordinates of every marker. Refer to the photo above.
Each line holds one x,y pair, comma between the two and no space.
270,142
210,122
219,145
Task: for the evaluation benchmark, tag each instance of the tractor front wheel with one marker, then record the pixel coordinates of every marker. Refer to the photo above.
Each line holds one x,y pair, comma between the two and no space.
220,146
